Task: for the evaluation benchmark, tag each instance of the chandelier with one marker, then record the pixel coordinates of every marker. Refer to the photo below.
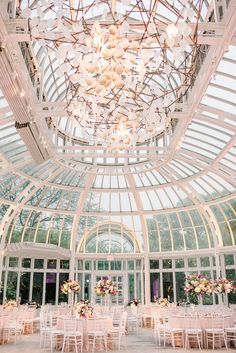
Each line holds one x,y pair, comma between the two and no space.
125,66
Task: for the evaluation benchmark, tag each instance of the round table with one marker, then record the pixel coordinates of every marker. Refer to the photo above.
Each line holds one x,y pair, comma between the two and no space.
108,325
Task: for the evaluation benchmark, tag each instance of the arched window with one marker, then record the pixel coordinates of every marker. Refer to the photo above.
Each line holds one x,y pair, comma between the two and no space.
109,238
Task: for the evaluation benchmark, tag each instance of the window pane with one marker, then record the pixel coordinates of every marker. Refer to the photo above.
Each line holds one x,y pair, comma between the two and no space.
38,263
26,263
37,294
24,287
154,264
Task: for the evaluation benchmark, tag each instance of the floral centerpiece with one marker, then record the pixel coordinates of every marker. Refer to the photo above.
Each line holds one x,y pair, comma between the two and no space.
163,302
106,286
10,304
84,309
223,285
198,284
133,302
70,286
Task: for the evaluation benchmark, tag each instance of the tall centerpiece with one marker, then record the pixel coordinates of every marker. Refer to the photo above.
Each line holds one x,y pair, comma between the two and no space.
197,286
71,287
106,287
223,287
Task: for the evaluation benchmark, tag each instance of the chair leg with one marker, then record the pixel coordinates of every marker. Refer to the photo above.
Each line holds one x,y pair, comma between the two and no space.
186,338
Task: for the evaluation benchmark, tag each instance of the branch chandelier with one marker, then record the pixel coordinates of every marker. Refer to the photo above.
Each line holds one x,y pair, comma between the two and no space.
125,66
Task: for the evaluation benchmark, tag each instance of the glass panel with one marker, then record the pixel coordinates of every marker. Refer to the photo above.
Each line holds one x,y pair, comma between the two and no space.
87,265
64,264
115,265
178,241
138,286
61,296
179,263
2,287
78,297
168,286
155,286
154,264
37,293
190,239
226,236
38,263
165,241
24,287
138,264
52,264
167,263
13,261
192,262
80,265
153,241
50,294
231,274
130,265
102,265
229,260
180,280
11,285
87,286
26,263
204,261
131,294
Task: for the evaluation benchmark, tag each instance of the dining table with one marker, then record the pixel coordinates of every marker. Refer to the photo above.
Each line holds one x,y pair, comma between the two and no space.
202,322
85,325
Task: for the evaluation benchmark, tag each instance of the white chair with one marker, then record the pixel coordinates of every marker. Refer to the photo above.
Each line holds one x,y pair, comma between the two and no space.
230,335
118,334
28,320
72,335
45,329
97,333
117,317
162,330
147,316
13,329
215,335
133,321
193,333
50,335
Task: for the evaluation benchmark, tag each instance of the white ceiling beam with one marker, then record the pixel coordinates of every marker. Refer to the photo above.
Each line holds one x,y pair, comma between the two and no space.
205,74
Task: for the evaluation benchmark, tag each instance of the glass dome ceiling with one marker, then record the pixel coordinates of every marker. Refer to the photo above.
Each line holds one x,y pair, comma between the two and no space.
175,192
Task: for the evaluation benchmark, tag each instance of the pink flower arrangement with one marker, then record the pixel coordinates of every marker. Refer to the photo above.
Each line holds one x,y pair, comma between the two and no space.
10,304
70,286
198,284
133,302
163,302
106,286
84,309
223,285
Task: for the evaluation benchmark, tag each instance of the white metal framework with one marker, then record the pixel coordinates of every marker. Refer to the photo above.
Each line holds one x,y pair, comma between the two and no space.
175,193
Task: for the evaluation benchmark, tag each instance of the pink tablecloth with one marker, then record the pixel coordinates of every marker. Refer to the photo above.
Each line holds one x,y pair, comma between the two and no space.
203,322
3,321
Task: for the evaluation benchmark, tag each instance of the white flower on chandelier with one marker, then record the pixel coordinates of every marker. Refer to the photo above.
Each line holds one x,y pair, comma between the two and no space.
114,69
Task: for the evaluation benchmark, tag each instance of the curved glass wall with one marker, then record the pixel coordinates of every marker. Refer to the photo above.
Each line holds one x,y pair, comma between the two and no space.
145,217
